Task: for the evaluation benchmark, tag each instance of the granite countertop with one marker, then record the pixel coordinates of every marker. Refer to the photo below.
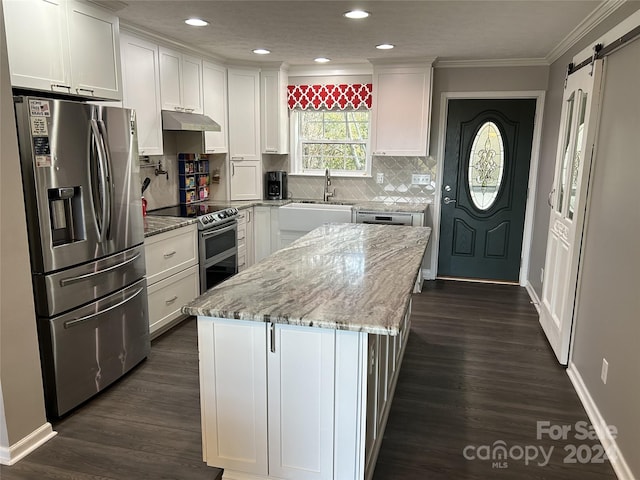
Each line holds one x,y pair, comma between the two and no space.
154,225
354,277
408,207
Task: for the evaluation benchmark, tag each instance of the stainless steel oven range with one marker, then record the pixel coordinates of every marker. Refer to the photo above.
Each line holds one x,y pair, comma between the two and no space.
217,239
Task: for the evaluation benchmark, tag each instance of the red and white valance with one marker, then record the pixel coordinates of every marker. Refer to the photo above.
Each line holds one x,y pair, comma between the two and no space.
329,97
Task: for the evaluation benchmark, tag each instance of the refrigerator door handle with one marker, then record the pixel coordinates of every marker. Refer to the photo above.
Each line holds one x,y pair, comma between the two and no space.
103,179
68,281
76,321
107,156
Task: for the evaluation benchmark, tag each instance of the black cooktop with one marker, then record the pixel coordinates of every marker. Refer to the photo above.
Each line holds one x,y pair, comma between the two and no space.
195,210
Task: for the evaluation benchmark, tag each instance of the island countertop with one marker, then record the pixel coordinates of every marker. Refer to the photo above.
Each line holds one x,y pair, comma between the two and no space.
355,277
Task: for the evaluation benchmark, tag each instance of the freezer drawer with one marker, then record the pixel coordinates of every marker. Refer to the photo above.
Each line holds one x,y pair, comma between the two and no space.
85,350
61,291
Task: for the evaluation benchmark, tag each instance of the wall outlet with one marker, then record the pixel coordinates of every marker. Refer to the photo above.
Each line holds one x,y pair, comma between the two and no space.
380,177
605,370
420,179
541,275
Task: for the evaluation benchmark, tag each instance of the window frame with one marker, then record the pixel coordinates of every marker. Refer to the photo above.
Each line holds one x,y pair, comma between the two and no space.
296,148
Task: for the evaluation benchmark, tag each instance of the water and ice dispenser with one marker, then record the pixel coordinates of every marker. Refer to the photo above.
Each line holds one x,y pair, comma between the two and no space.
65,209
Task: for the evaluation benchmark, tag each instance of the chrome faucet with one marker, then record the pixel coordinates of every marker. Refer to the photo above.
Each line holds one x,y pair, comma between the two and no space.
327,183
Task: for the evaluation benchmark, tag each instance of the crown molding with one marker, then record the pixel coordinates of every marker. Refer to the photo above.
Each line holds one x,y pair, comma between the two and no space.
500,62
592,20
330,70
112,5
171,43
403,61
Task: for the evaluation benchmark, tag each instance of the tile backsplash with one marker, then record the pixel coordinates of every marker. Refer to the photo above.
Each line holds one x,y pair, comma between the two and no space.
396,186
163,189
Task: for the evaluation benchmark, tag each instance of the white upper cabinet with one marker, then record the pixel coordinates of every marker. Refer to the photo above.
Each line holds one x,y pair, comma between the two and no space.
246,180
401,110
192,84
214,89
64,47
274,114
141,90
94,50
180,81
244,114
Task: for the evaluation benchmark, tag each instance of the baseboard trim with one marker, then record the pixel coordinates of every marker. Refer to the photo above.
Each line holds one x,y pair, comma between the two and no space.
535,301
619,464
22,448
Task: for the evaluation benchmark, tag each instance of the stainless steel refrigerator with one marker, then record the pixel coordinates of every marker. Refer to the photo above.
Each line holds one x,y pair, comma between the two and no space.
82,196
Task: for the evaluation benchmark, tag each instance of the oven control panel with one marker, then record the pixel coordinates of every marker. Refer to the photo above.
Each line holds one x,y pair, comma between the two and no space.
210,219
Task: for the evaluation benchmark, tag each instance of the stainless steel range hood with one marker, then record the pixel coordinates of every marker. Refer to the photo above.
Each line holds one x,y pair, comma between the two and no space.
193,122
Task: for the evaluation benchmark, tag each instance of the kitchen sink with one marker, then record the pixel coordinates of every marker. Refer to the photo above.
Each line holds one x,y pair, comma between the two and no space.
319,206
304,217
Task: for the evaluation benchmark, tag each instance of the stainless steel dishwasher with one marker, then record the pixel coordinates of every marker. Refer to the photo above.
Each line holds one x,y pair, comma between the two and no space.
384,218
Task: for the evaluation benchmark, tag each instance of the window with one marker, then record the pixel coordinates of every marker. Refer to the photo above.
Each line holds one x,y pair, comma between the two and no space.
337,140
486,166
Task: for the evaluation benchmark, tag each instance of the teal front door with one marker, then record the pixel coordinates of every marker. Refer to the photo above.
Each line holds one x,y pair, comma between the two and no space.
484,188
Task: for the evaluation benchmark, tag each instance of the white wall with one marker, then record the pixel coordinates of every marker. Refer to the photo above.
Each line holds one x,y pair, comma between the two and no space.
608,312
22,400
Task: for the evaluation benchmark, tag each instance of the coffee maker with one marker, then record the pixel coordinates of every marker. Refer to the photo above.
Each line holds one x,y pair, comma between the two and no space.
275,185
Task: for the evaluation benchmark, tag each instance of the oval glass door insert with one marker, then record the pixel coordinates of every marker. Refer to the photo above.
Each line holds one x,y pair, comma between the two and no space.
486,166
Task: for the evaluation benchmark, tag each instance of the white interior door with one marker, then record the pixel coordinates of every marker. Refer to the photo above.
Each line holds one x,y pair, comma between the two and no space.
568,203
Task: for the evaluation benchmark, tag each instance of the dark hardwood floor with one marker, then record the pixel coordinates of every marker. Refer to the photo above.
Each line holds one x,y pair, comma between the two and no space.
477,371
145,427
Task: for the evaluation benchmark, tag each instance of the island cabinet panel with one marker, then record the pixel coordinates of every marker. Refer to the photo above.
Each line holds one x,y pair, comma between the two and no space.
233,379
282,401
301,392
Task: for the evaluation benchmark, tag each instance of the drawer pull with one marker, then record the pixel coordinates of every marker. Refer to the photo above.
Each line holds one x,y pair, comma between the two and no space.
171,300
170,254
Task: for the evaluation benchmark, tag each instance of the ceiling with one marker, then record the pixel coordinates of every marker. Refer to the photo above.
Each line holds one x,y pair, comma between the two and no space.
297,31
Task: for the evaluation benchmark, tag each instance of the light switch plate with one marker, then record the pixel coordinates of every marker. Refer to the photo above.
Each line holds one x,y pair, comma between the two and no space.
424,179
380,178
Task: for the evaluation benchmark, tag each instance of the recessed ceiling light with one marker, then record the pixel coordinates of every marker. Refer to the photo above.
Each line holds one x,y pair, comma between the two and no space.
196,22
384,46
356,14
262,51
322,60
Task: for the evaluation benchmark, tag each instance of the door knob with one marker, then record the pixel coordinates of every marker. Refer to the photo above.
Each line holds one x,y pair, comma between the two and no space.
448,200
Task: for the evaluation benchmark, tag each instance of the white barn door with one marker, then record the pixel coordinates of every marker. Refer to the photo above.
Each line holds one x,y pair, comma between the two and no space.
567,201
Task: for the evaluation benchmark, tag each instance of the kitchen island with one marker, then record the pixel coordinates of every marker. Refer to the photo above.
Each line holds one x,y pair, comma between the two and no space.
299,354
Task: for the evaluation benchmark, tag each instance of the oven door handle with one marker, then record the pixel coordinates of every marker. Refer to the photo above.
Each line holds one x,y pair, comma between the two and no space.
216,231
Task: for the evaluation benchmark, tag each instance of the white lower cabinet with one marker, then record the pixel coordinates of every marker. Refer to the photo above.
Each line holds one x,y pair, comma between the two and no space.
275,405
300,402
171,260
262,413
167,297
245,238
266,232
